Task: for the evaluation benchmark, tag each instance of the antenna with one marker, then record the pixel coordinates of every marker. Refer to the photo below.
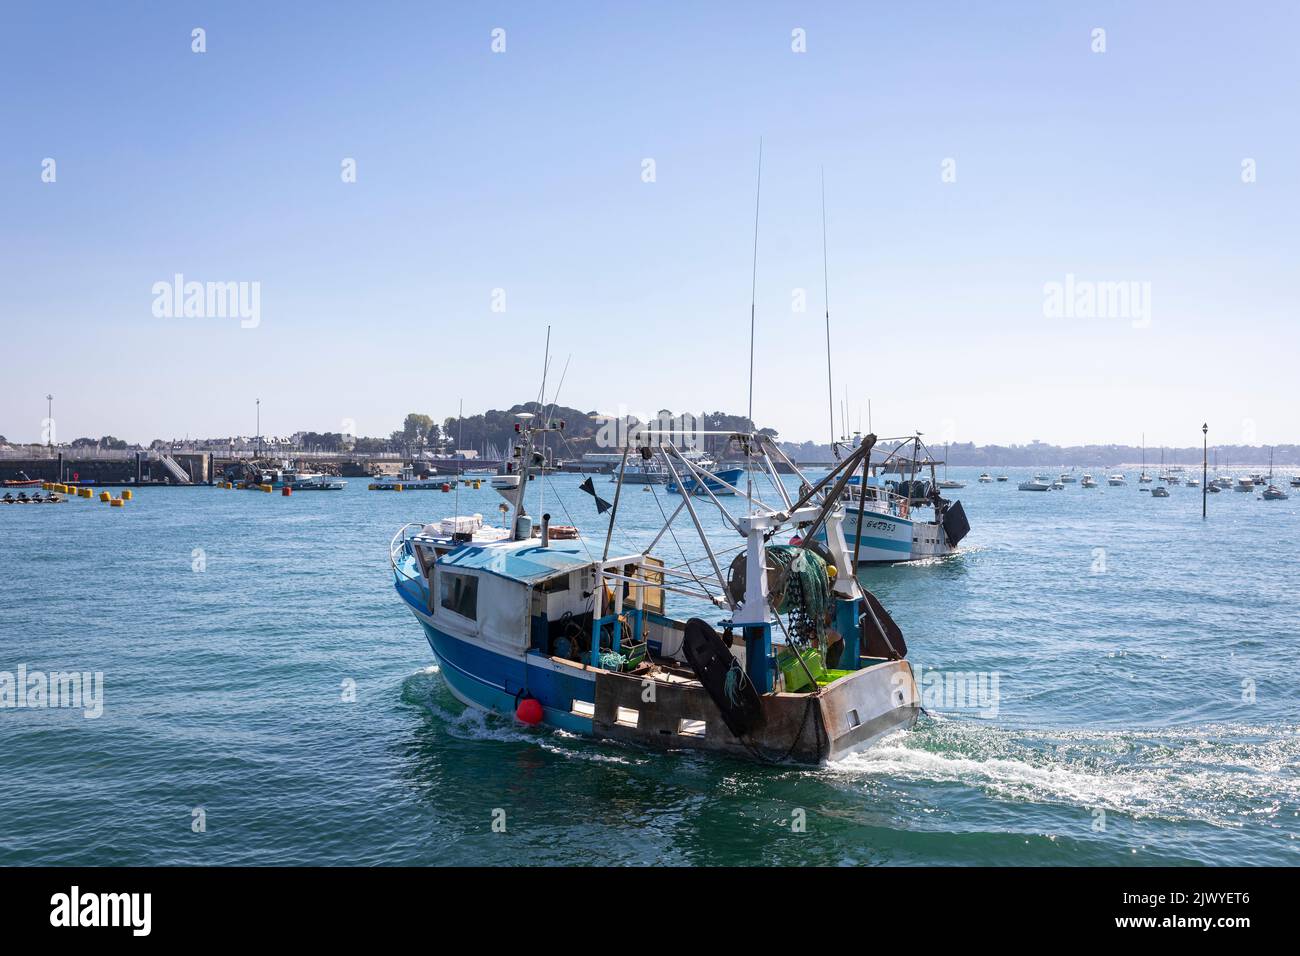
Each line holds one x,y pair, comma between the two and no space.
826,289
753,296
460,436
528,445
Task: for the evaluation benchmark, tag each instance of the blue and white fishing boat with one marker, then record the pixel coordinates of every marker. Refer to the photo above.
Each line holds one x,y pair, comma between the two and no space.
807,666
725,483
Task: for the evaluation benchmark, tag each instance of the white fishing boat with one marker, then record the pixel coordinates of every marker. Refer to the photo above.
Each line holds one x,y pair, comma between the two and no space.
1037,483
1058,485
1245,485
1067,478
643,472
1116,480
318,483
1159,491
985,478
1088,482
1004,477
886,518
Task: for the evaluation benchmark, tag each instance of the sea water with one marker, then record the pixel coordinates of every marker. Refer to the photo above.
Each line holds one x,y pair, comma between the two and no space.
266,698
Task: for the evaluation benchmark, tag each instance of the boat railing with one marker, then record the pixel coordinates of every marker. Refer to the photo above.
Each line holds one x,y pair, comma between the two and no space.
398,544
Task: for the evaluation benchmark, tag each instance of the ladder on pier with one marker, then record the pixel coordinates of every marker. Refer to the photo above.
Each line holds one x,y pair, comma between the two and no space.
174,469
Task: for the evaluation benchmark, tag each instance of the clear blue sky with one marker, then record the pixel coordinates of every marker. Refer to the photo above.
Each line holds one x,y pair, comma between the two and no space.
522,171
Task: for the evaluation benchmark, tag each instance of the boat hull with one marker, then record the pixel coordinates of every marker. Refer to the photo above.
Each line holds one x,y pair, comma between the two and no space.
889,538
731,476
849,714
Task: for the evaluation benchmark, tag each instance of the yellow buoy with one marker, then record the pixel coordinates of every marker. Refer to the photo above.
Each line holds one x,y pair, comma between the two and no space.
85,492
105,496
126,495
267,489
115,502
397,487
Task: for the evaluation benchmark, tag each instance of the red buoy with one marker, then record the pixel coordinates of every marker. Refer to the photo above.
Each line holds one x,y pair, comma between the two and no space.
529,711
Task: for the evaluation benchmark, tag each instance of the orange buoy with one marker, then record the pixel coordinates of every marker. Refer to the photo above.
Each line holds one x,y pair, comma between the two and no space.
286,491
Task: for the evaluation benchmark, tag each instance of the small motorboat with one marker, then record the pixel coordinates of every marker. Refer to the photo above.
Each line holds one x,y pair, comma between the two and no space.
1159,491
22,481
1037,483
1058,485
1003,478
985,478
425,479
1244,484
1088,482
1117,479
1067,478
1213,488
1274,493
1193,482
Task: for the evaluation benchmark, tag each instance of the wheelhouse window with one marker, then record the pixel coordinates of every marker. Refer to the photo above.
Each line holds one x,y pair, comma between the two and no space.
459,593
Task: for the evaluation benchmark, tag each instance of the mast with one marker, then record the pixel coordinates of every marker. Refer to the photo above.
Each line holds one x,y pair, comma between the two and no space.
826,293
525,457
753,296
460,435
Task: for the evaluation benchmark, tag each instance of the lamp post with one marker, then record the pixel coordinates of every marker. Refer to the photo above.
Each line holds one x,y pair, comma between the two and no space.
259,428
1205,488
49,421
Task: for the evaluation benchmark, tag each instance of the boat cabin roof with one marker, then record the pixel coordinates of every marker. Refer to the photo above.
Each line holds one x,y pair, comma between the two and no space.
524,561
